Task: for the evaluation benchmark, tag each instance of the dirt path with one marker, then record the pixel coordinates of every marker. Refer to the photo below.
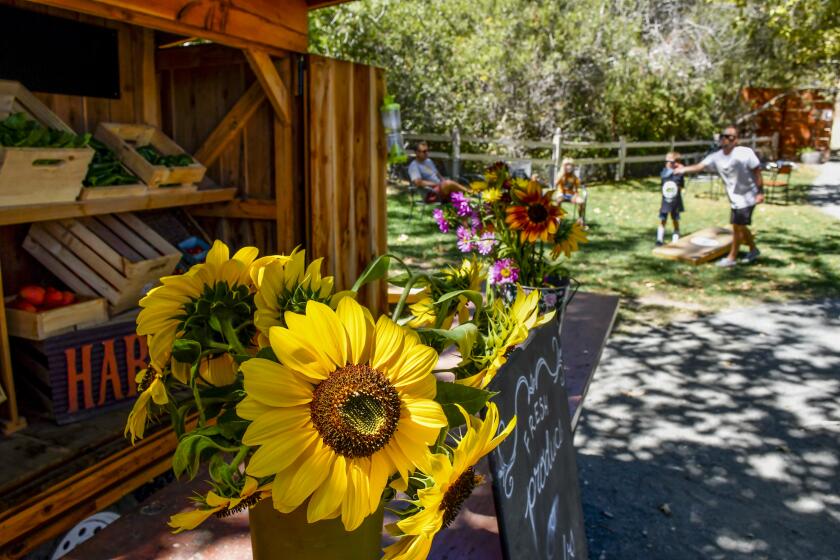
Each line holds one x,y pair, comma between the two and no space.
717,438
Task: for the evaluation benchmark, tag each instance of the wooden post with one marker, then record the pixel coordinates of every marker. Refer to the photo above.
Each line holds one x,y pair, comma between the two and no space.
752,141
774,142
622,156
276,91
14,421
456,154
671,148
556,153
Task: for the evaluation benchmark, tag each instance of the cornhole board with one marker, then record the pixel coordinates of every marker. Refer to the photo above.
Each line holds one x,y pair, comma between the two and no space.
699,247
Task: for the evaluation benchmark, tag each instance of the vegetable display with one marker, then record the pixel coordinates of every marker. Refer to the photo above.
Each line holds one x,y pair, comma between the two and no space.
105,169
19,131
153,156
34,298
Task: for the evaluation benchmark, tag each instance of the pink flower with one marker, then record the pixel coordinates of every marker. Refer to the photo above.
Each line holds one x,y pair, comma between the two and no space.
460,203
465,239
486,243
504,272
443,224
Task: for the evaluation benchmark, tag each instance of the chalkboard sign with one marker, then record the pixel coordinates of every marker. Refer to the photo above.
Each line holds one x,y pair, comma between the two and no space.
535,483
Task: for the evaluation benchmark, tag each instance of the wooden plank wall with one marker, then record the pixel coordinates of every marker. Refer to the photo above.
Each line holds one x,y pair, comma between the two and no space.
199,85
138,102
346,169
796,117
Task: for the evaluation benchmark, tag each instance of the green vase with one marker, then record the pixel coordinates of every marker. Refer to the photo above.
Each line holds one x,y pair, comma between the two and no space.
287,536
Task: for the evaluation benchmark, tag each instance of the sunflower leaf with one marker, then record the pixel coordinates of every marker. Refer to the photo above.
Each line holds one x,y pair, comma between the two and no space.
376,270
470,398
187,457
464,335
471,295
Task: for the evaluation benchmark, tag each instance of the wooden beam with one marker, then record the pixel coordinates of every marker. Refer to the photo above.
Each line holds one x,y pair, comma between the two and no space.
14,421
276,91
242,209
159,199
232,123
148,87
266,24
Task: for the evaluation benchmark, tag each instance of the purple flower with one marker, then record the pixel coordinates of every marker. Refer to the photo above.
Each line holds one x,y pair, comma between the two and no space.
460,203
486,243
475,222
465,239
504,272
443,224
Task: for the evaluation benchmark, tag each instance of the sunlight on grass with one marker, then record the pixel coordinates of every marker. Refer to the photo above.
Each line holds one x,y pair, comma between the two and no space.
800,251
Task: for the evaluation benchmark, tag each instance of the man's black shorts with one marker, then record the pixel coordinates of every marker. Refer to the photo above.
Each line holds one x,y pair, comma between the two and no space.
741,216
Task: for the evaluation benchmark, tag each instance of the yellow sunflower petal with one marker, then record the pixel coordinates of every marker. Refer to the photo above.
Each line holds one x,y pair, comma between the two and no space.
189,520
426,413
274,456
250,408
304,477
359,331
327,498
218,254
298,353
388,344
275,423
275,384
414,547
354,508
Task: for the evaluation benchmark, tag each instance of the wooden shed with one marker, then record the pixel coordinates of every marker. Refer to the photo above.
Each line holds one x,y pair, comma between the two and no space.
295,156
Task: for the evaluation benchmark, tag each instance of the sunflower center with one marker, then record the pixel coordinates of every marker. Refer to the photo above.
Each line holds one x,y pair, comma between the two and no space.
355,410
537,213
458,492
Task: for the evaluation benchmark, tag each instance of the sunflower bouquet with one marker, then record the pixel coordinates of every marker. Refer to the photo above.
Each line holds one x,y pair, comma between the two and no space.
515,224
281,388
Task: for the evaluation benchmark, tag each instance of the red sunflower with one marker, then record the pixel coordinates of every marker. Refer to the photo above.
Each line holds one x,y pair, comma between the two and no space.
534,215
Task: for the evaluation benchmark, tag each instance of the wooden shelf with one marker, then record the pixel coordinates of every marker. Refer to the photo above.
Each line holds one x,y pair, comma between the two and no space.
41,212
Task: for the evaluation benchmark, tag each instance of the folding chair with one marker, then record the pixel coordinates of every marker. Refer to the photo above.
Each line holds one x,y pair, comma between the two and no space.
779,181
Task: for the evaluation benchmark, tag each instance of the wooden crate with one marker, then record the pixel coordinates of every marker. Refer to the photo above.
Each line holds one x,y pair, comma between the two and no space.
115,256
86,312
38,175
124,138
80,374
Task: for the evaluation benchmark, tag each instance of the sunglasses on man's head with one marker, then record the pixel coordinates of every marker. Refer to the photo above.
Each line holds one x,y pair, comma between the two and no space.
670,161
729,136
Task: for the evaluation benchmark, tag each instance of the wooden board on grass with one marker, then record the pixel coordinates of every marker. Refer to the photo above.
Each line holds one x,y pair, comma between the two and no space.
699,247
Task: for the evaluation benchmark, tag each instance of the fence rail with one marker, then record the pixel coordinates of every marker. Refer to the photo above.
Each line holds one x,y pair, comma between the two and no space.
506,149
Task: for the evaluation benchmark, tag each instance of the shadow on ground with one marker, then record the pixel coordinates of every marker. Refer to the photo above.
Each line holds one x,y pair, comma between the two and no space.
717,438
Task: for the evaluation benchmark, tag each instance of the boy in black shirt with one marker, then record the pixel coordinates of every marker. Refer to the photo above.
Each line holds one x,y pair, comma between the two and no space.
672,203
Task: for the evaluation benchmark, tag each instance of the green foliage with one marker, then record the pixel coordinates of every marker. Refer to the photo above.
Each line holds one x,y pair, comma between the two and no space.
20,131
645,69
470,398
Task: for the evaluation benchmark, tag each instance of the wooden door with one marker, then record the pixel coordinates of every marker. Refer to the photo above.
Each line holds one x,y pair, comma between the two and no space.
345,160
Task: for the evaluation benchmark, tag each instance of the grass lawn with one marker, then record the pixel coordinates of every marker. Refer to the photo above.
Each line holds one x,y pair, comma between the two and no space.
800,251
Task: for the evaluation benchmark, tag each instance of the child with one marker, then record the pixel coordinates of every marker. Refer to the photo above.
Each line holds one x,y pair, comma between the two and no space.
672,203
569,186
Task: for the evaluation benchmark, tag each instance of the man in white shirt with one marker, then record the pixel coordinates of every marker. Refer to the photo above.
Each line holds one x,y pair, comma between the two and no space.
424,174
740,171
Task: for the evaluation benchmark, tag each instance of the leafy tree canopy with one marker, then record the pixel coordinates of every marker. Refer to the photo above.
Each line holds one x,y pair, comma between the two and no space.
645,69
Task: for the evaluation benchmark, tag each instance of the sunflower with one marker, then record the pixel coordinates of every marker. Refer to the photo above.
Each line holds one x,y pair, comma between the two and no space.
535,215
423,314
151,388
286,285
469,276
478,186
452,483
507,327
220,506
349,404
212,303
567,240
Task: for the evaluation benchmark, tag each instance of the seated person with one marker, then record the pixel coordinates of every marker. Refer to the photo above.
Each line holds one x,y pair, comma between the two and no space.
423,173
570,190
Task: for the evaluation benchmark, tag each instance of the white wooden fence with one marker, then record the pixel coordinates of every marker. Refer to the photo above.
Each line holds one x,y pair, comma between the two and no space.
508,150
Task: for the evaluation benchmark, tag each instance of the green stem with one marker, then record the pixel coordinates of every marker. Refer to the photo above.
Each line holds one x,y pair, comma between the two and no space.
202,420
231,336
412,279
240,456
